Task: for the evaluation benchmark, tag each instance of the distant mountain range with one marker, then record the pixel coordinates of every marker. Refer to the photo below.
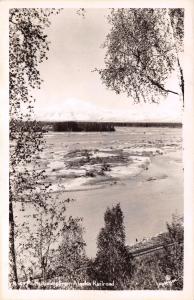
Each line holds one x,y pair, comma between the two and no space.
80,110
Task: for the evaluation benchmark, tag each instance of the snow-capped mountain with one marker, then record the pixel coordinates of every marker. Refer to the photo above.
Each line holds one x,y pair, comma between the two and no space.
80,110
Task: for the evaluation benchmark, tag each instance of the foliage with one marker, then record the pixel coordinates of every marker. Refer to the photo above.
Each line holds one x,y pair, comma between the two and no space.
28,46
71,259
52,246
113,261
37,236
172,261
34,236
164,269
146,274
143,48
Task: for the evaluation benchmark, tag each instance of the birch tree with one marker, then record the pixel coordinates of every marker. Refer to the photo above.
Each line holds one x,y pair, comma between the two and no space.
28,47
143,49
29,192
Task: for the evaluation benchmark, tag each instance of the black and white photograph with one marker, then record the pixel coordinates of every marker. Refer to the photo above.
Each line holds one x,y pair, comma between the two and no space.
96,147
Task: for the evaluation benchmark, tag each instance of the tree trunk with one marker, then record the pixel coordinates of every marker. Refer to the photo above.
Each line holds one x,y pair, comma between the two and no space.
178,62
13,278
181,79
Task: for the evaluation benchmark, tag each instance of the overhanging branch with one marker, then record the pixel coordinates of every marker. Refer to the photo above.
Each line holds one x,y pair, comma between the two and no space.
160,86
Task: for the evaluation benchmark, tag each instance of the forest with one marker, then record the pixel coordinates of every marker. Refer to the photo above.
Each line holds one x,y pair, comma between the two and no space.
116,266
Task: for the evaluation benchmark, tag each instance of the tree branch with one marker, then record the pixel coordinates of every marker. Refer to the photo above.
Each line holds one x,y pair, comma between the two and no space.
160,86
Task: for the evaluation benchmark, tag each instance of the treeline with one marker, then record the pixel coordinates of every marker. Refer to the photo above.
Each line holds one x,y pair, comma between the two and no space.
101,126
114,267
76,126
149,124
82,126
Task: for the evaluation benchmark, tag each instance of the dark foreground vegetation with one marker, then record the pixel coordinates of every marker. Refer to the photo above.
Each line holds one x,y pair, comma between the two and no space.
116,266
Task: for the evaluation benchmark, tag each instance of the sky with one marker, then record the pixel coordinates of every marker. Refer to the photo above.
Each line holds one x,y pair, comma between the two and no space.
73,91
